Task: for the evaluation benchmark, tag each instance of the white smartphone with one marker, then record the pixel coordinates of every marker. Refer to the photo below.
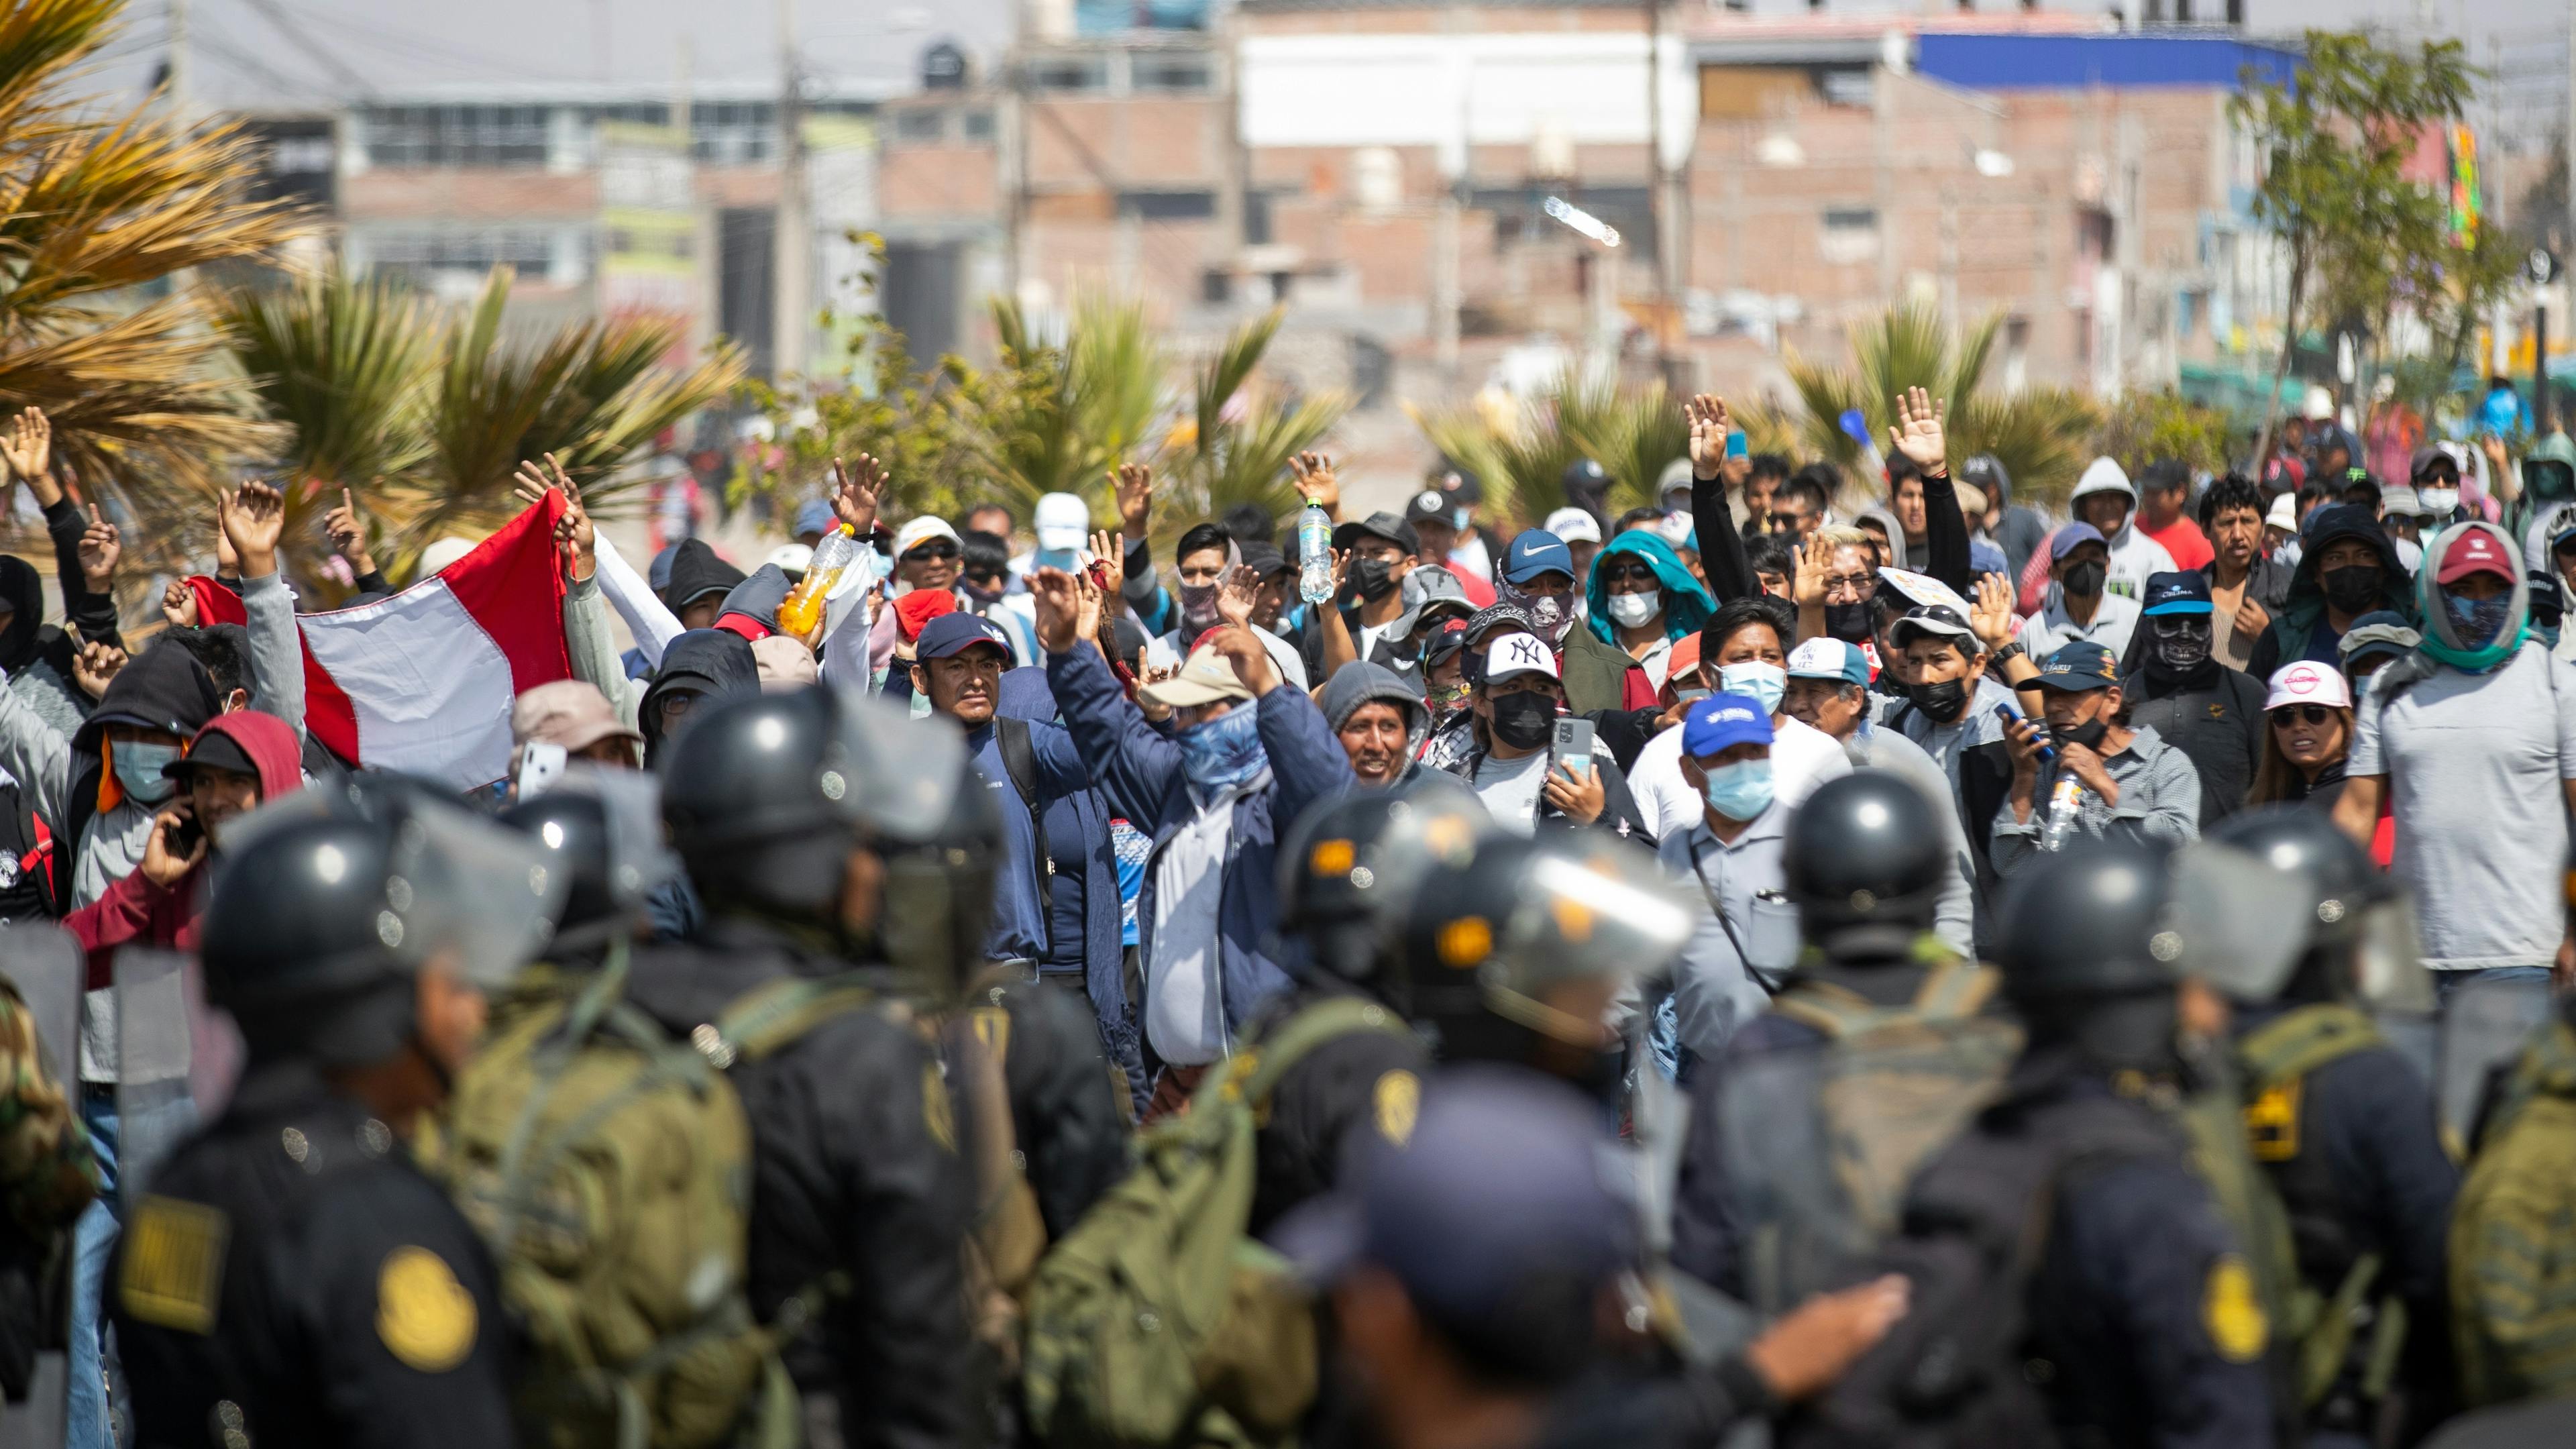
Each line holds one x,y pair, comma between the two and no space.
540,766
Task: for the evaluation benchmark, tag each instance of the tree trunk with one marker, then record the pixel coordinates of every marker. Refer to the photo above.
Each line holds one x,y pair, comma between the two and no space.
2289,349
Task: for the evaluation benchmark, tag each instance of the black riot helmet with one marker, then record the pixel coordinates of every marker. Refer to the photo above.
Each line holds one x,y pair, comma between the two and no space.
768,796
602,828
1349,859
2080,955
330,901
2349,928
1866,858
1493,946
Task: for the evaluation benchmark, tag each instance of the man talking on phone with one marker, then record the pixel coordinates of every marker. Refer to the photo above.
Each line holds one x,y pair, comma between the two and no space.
1532,764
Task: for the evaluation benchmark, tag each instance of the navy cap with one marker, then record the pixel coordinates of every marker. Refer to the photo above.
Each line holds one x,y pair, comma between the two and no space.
1429,506
2079,665
1537,551
953,633
2184,592
1506,1183
2072,537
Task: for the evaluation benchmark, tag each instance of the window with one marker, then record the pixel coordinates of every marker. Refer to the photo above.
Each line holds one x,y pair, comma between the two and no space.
1850,234
734,133
481,136
1171,74
1168,205
920,128
1852,87
1069,73
976,127
418,252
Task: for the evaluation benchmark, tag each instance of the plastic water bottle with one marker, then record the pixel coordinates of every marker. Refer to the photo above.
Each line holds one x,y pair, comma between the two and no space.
801,613
2065,803
1314,553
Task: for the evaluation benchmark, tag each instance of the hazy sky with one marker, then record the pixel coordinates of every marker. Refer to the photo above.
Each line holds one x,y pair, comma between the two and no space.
306,52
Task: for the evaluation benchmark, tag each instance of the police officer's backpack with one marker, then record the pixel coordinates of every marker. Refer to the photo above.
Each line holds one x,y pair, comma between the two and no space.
1158,1321
609,1168
1821,1144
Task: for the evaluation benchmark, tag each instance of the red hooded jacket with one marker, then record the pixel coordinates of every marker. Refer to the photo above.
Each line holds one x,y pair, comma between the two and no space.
134,911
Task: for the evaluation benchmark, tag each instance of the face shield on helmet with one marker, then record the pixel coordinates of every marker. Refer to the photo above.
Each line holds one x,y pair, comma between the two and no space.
2233,920
1598,913
910,788
1349,863
604,827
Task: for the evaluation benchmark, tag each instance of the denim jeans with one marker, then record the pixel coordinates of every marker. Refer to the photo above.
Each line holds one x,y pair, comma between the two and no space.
2445,983
96,1382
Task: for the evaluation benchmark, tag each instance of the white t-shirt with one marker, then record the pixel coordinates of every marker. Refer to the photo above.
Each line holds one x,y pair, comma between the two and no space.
1510,789
1802,757
2474,765
1184,1005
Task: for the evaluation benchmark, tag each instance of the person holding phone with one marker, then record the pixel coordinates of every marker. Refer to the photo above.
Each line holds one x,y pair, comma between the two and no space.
1514,767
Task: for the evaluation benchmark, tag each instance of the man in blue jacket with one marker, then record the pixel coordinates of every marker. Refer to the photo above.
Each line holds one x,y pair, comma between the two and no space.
1244,758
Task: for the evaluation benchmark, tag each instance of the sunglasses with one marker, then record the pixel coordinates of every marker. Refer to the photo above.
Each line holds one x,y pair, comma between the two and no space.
2307,714
1640,574
932,552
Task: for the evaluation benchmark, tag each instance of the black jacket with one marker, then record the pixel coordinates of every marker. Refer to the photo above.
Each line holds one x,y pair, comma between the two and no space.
1067,1116
1352,1082
712,661
165,688
2214,715
855,1171
1730,571
350,1302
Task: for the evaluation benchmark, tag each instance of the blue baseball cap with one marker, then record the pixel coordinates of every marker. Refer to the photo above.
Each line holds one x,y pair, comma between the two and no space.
1835,659
2184,592
954,633
1723,721
815,516
2072,537
2079,665
1536,552
657,575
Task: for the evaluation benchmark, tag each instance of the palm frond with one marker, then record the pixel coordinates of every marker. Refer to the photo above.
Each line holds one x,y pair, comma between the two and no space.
342,363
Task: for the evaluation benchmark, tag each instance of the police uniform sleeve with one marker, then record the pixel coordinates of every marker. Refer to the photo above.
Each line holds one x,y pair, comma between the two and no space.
911,1364
402,1305
1366,1083
2181,1298
2384,1111
1704,1226
1063,1104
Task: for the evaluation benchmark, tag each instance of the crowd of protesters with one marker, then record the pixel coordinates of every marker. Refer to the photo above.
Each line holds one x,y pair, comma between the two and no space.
1678,682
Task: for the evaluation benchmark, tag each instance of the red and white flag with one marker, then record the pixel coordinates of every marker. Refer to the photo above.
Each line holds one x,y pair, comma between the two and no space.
422,681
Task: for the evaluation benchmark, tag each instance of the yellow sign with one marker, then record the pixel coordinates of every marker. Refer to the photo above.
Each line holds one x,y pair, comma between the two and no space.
173,1272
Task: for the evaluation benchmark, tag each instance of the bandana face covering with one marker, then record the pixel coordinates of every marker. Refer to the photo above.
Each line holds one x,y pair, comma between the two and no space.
1223,752
1548,612
1198,609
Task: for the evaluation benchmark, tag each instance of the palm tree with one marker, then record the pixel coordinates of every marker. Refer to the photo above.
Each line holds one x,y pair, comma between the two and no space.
1520,451
1074,409
97,202
1241,434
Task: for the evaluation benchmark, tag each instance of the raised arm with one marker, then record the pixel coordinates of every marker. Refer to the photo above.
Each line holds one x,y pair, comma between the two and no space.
254,519
1918,434
1721,548
1133,484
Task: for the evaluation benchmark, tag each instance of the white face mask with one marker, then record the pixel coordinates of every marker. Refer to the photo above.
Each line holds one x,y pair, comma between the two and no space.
2438,501
1631,610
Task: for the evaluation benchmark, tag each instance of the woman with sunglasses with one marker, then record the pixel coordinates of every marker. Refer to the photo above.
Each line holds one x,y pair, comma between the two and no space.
2307,732
1640,598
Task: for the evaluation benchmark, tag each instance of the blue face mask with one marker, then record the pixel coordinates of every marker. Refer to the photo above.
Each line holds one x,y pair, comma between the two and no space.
1765,682
2479,620
1224,752
1064,559
138,769
1739,791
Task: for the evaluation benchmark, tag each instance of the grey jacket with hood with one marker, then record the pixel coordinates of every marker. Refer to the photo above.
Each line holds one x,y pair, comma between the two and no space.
2552,519
2133,554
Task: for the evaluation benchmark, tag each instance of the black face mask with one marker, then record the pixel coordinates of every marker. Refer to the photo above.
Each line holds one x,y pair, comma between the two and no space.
2352,589
2180,653
1848,622
1370,578
2085,579
1944,702
1525,720
2088,734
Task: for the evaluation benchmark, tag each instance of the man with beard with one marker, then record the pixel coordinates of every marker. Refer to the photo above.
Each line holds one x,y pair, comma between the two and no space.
2212,713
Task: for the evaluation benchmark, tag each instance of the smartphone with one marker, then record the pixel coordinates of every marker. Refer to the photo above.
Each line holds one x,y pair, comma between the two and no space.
540,766
184,837
2010,715
1572,751
1737,445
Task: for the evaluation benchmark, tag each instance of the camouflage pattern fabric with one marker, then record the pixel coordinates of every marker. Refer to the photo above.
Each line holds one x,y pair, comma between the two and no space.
47,1171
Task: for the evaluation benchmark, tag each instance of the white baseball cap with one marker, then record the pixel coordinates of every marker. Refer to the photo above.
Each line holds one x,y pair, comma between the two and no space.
1519,654
2309,683
2284,515
1573,525
1063,521
926,526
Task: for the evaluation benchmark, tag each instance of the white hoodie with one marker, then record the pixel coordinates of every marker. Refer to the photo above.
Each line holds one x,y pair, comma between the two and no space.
2133,554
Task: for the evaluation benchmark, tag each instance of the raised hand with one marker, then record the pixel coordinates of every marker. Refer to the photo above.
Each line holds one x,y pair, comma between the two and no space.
1317,482
1133,483
1809,1347
29,448
1992,615
100,547
1244,650
227,562
163,862
179,604
95,665
1917,430
1087,615
1059,609
348,535
1709,426
1807,578
1111,560
254,518
1236,594
858,492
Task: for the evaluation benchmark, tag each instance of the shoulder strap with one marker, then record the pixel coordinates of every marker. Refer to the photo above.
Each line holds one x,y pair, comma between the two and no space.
1020,762
1954,989
2303,1040
769,1018
1833,1010
1258,1068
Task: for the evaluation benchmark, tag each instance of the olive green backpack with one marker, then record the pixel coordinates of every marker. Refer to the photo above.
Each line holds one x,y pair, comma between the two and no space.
609,1167
1158,1321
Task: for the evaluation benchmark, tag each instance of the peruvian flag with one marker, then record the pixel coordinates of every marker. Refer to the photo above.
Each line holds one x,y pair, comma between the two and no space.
422,682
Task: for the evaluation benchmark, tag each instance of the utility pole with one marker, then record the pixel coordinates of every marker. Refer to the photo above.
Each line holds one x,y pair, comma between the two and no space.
178,57
793,254
1663,208
1013,152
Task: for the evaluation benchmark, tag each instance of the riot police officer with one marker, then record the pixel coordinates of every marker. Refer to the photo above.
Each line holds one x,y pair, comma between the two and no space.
2138,1321
290,1276
1864,863
1343,863
845,854
602,830
2343,1124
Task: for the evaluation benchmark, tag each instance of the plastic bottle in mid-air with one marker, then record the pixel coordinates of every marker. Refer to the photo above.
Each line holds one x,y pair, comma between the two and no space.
802,611
1314,554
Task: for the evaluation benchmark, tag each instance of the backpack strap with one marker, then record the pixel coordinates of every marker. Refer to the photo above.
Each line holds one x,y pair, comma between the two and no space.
1955,989
1835,1011
1257,1068
772,1017
1020,762
2299,1042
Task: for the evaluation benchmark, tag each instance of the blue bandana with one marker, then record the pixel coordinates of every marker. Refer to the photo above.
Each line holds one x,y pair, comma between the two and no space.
1224,752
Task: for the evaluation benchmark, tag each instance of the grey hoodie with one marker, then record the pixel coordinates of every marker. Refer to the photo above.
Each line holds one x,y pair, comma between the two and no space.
2548,523
1359,682
2133,554
1886,517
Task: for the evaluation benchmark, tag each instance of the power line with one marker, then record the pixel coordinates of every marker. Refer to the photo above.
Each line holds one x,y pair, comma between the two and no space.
318,52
